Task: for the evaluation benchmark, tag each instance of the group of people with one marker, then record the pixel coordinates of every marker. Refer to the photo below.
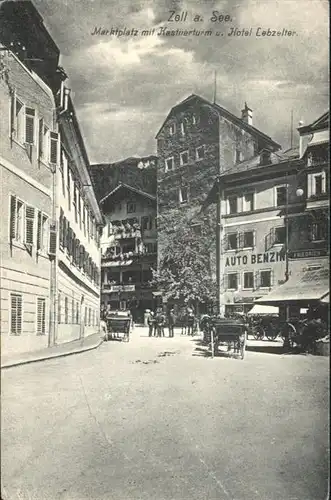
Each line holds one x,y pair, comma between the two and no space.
158,321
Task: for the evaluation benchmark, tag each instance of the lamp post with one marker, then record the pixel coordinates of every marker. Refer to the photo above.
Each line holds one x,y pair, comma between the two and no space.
218,230
299,193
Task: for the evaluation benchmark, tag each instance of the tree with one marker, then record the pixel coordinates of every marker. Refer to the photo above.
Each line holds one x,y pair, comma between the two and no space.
184,271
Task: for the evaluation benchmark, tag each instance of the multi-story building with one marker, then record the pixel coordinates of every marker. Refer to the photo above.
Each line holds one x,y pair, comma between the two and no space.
50,254
129,250
256,196
308,224
197,141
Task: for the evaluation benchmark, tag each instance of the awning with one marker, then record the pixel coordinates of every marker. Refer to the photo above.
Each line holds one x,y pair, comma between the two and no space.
305,286
260,309
326,299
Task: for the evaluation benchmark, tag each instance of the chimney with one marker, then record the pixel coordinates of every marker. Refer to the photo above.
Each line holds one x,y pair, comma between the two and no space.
247,115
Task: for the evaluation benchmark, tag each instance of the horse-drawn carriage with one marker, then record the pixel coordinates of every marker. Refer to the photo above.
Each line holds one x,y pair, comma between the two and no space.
118,326
225,332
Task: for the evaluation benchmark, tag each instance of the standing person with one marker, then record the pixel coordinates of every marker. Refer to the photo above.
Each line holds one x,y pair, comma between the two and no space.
159,320
190,322
171,323
150,322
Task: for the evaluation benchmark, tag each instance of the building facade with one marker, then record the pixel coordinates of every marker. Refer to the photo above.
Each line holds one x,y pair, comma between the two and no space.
50,250
129,250
257,196
197,141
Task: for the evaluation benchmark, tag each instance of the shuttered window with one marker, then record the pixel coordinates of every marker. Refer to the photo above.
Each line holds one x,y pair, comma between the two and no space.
16,304
53,153
29,224
19,120
66,310
41,316
52,240
41,138
30,114
42,231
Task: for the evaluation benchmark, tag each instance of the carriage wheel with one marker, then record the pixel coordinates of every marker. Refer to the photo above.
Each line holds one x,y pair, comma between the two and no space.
243,347
258,333
271,334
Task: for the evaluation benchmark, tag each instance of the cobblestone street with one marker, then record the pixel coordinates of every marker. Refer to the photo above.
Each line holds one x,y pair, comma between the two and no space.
157,419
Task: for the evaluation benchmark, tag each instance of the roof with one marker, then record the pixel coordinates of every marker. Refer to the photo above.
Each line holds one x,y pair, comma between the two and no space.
318,124
254,163
121,185
310,284
227,114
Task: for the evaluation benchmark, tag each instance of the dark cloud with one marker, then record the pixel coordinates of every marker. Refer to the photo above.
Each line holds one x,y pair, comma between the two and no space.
124,87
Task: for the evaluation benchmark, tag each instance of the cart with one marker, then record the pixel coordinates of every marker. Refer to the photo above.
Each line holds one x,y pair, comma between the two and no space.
118,327
229,332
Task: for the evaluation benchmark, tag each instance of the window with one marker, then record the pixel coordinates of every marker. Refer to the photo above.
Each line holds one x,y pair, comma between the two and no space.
172,129
318,231
16,219
146,223
182,128
265,279
248,202
281,196
85,317
233,204
41,316
200,153
183,195
232,281
30,125
77,313
42,232
69,187
54,148
232,241
73,311
184,158
248,239
248,280
16,303
195,119
29,225
280,235
59,308
169,164
66,310
75,202
238,155
130,207
89,316
18,120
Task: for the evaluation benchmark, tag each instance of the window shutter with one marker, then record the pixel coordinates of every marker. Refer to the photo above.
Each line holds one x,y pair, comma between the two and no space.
41,316
12,217
41,138
225,243
53,153
16,314
272,278
29,224
238,280
240,237
67,244
29,125
52,240
81,256
254,238
12,114
39,230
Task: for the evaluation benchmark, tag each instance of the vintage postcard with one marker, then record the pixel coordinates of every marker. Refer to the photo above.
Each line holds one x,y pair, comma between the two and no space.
164,249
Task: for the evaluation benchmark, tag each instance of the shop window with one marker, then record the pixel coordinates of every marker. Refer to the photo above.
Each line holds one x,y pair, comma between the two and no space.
265,279
248,280
131,208
318,231
232,281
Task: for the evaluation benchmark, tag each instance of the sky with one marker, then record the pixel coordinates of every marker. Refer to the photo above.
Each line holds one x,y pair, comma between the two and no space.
124,87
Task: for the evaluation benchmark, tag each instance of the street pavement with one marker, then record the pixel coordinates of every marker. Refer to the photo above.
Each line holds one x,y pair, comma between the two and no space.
158,419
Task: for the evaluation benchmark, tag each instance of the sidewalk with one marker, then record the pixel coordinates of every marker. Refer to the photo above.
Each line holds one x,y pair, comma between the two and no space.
76,346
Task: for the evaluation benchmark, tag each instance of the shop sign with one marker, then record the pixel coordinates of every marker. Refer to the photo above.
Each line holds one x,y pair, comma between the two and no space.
255,258
303,254
122,288
240,300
